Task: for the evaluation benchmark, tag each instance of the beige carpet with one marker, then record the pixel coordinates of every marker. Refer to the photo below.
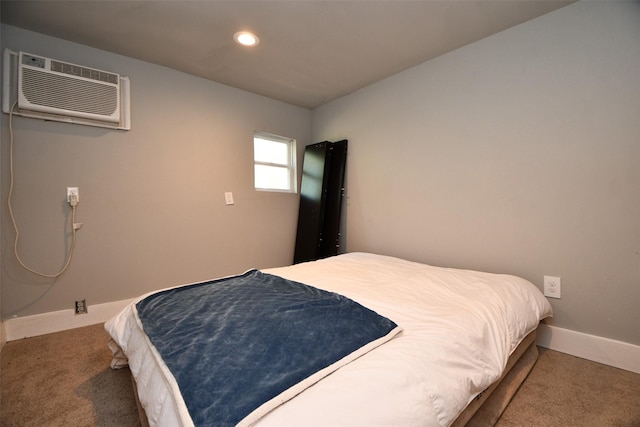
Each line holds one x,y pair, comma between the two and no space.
64,379
564,390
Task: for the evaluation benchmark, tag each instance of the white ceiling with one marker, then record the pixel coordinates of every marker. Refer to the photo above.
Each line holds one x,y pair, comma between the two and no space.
310,51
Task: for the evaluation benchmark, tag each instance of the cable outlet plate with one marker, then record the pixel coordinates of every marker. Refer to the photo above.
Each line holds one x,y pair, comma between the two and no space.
81,306
552,287
73,191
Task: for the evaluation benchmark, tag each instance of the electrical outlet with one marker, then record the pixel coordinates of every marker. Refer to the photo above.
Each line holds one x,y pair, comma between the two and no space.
552,287
73,191
81,307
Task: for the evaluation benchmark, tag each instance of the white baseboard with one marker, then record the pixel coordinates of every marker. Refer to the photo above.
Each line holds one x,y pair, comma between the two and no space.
602,350
3,335
56,321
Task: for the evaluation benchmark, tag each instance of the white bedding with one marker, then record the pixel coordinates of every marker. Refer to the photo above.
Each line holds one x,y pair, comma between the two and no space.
459,328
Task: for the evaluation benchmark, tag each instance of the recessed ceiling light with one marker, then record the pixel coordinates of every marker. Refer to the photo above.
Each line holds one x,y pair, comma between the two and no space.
246,38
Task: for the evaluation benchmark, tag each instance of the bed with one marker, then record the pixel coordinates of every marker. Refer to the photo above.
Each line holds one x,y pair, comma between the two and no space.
459,344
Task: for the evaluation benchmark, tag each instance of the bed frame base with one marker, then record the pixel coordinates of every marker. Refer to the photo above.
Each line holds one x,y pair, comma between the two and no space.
487,407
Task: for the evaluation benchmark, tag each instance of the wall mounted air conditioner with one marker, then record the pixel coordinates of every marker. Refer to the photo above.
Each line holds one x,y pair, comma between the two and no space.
45,88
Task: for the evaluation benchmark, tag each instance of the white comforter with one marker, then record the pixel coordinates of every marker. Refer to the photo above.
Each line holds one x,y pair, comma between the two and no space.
459,328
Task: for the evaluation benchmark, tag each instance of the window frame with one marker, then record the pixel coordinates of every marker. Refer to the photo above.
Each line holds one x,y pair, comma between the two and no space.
290,166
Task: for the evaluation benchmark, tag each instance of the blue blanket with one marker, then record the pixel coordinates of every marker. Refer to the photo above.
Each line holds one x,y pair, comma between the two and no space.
235,343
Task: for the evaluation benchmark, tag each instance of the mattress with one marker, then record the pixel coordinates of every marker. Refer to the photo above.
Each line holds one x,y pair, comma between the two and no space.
459,328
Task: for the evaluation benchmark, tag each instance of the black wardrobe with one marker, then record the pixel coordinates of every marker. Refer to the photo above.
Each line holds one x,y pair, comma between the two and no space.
321,194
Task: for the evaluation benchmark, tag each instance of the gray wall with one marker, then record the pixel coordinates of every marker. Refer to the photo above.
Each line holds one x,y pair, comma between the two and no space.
518,154
151,199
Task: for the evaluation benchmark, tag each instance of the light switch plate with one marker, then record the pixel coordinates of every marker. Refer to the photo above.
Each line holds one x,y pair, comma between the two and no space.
228,198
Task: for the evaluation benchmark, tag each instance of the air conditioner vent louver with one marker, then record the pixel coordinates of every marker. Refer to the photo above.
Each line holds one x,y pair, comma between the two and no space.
87,73
68,93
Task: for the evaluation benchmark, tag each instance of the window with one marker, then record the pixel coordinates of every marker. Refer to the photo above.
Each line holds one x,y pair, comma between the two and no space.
274,162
